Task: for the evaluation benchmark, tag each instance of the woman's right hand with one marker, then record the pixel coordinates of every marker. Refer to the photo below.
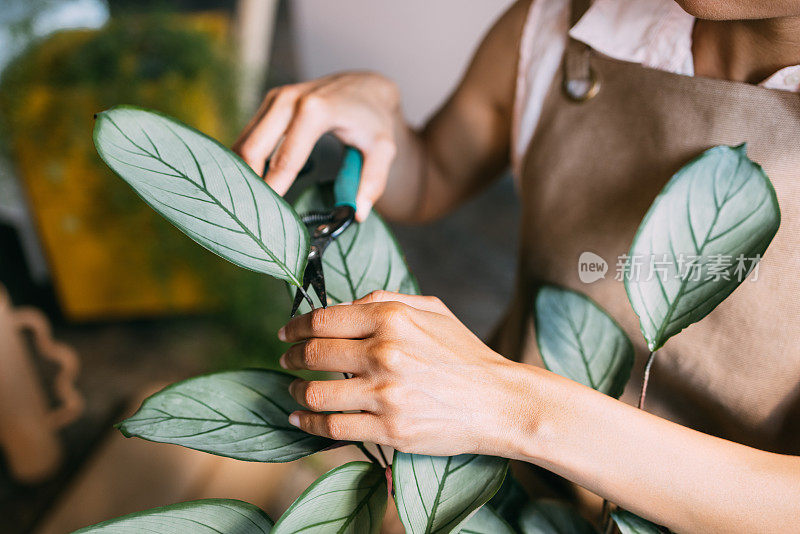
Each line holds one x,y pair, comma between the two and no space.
361,108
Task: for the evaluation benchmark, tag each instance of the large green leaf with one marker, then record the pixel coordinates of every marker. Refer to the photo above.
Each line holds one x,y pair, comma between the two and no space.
699,239
208,516
486,521
348,499
503,511
629,523
205,190
551,517
578,340
365,258
438,494
238,414
509,501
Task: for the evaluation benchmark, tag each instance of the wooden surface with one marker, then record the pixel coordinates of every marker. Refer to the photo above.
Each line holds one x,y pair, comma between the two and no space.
28,424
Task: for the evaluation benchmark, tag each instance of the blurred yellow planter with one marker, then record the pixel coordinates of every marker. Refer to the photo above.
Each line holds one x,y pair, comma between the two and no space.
109,253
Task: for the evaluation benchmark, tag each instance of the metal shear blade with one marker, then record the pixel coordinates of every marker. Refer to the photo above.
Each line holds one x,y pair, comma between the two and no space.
325,227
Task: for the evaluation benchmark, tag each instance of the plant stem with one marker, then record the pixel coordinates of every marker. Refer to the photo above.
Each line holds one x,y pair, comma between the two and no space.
646,379
306,296
608,526
605,515
369,455
383,455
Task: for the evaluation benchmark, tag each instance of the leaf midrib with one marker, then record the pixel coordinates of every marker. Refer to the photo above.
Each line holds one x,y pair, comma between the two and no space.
358,508
230,422
183,176
435,506
435,503
673,305
579,341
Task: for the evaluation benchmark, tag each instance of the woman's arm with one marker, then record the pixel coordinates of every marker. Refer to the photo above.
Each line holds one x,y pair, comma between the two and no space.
672,475
417,175
426,384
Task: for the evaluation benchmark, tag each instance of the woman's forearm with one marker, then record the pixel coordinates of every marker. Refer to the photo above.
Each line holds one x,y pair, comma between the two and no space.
675,476
426,385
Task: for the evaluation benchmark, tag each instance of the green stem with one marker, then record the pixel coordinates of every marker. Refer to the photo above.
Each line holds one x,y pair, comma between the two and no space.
306,296
646,379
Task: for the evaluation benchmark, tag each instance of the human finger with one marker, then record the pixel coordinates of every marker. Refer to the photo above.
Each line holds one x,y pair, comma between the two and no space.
260,138
374,174
340,426
320,354
308,124
332,395
344,322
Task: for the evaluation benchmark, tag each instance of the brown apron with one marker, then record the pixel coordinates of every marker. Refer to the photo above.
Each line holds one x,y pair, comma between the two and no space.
590,173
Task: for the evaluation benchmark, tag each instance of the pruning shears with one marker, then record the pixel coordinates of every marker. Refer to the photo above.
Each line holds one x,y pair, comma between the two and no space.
325,226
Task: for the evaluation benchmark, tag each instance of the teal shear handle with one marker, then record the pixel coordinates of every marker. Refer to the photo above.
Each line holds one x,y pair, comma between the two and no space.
345,188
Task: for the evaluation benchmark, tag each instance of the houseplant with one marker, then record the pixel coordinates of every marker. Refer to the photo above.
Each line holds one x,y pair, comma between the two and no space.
217,200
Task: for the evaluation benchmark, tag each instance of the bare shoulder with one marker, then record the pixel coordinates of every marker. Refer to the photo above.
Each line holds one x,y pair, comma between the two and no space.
493,71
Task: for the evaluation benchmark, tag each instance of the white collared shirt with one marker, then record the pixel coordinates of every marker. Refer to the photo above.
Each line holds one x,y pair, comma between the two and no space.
653,33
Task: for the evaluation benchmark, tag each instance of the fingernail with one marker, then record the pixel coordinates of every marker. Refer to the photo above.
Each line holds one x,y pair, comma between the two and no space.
349,302
294,419
282,333
282,361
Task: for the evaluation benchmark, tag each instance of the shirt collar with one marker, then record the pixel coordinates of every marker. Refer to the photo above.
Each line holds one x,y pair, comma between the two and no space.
654,33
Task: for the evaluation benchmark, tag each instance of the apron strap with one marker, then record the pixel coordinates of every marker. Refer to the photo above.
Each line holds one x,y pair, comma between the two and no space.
579,81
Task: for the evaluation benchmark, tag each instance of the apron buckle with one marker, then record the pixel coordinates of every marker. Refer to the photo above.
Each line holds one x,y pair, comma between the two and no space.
581,89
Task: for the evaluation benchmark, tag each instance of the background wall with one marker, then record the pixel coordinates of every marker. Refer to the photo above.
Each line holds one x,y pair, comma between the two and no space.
424,45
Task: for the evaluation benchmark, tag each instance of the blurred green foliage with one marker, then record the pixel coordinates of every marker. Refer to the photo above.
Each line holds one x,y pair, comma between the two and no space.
159,49
47,97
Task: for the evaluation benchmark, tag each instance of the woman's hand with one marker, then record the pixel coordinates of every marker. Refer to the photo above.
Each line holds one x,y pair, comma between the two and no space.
362,109
422,381
425,384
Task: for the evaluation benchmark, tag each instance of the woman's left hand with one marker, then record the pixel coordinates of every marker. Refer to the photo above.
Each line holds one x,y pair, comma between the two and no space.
422,382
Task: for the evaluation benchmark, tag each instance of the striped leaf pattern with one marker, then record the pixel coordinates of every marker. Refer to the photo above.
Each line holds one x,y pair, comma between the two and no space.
365,258
205,190
238,414
438,494
704,232
579,341
207,516
350,499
